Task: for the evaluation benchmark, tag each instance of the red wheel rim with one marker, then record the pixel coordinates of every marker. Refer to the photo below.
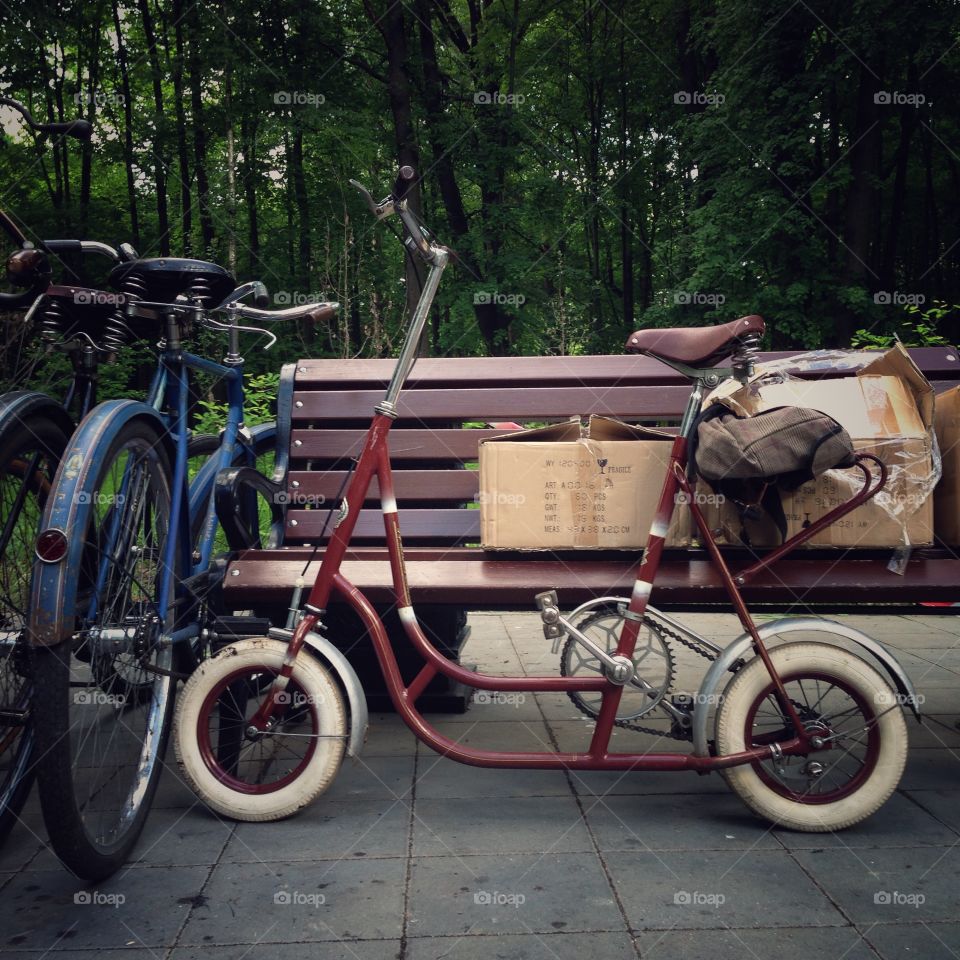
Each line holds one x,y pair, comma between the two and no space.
208,753
868,763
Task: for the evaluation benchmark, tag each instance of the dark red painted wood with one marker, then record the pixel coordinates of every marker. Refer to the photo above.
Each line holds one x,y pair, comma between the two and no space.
487,580
495,402
436,486
332,445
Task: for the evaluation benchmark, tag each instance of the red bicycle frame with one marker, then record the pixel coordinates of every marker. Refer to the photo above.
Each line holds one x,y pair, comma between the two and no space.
374,461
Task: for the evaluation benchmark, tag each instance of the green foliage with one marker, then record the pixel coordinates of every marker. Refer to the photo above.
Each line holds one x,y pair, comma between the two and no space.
918,329
615,165
260,394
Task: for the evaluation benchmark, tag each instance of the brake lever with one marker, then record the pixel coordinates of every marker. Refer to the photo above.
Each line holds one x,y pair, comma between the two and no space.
381,210
217,325
68,346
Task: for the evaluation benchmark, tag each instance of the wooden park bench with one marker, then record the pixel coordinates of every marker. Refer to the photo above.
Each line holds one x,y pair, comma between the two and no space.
448,407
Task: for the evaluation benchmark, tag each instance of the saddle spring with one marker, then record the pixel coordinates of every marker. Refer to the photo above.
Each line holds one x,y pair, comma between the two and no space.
745,356
116,331
52,322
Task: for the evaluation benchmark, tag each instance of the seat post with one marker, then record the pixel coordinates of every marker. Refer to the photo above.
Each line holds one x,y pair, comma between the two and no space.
693,407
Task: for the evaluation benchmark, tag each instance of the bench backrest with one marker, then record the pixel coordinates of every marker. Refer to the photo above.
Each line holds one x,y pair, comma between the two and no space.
448,407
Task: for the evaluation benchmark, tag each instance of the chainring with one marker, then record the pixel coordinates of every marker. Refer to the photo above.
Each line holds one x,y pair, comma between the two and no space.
663,637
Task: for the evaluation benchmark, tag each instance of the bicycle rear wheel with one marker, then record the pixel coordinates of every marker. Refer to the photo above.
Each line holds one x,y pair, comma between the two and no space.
103,699
29,453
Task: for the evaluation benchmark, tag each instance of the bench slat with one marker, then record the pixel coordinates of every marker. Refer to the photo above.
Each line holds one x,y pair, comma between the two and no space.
509,582
505,372
935,362
458,486
494,403
437,525
335,446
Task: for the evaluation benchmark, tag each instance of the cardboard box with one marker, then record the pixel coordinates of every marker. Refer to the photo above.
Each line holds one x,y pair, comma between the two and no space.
887,408
574,487
946,506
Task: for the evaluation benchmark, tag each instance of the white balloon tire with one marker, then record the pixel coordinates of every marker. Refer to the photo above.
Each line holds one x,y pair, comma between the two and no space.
788,659
314,779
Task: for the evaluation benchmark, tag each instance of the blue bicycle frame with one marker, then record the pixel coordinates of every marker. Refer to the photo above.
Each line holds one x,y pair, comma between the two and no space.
167,408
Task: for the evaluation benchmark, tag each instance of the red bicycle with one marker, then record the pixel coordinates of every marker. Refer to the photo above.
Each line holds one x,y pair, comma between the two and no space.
809,733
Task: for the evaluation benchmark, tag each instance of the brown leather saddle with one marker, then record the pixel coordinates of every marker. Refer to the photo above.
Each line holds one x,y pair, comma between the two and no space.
694,346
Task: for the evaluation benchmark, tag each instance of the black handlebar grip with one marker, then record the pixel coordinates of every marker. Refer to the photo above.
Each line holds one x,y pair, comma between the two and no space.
81,129
406,176
261,298
63,246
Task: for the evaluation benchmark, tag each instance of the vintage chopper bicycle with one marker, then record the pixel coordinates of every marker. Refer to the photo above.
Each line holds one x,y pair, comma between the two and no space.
809,734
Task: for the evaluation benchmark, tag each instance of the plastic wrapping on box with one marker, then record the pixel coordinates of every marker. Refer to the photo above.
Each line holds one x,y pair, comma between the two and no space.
892,419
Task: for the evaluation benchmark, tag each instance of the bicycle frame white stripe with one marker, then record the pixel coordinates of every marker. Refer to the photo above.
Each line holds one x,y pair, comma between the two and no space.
659,529
407,614
388,504
641,589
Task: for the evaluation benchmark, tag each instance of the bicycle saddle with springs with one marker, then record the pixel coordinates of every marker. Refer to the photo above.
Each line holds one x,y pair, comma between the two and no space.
695,346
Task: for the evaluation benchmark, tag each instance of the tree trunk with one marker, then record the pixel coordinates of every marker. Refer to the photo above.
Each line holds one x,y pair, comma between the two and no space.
626,214
159,147
393,27
127,126
199,132
248,143
183,150
86,154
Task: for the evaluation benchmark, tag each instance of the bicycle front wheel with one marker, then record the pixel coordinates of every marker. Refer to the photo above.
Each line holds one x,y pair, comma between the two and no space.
103,699
29,453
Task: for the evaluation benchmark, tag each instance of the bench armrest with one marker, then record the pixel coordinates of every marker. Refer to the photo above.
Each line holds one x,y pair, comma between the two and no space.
235,498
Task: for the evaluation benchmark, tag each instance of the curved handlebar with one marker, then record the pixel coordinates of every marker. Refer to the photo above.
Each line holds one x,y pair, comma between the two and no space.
14,301
83,246
317,312
81,129
416,238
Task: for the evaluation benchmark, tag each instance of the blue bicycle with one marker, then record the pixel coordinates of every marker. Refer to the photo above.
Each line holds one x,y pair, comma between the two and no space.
118,601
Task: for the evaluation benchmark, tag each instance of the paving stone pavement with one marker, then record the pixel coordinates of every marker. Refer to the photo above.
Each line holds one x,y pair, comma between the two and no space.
412,856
